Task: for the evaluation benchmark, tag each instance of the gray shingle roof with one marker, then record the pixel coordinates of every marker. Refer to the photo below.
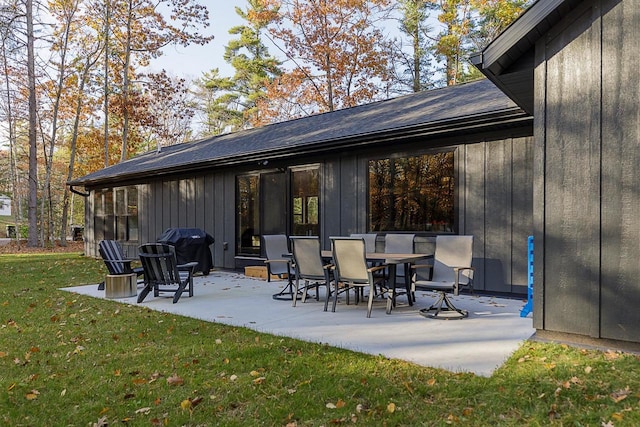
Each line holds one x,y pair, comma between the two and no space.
437,111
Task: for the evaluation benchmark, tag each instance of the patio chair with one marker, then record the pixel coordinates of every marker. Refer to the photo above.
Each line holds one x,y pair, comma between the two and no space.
310,268
399,244
117,264
162,273
369,240
451,270
278,264
352,271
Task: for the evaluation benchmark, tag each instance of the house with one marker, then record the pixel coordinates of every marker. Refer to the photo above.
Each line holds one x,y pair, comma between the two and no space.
5,205
452,160
547,145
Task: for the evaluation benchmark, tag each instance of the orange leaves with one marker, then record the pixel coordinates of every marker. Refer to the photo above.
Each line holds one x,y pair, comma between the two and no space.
32,395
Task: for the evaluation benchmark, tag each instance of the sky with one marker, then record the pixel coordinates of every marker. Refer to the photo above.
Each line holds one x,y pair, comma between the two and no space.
193,61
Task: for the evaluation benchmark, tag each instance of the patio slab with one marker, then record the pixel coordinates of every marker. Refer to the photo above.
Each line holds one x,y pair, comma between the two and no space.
478,344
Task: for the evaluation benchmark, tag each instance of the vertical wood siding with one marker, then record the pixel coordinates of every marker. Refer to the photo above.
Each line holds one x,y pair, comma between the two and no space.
572,186
620,283
496,198
587,199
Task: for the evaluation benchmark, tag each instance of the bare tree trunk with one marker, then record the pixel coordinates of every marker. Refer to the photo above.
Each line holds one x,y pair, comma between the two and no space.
32,241
74,142
12,140
62,69
126,83
106,82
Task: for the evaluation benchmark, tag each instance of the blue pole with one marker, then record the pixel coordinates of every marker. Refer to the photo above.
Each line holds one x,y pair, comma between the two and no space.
529,305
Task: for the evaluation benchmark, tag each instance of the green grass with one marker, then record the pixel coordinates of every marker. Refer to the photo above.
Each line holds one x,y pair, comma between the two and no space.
71,360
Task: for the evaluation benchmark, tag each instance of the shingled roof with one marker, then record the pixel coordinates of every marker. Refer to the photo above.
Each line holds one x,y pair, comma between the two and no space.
450,110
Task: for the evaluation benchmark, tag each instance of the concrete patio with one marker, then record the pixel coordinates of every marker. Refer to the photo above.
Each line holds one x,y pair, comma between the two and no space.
478,344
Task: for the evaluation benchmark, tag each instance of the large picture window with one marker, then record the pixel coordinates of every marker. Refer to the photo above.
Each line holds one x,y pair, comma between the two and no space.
412,193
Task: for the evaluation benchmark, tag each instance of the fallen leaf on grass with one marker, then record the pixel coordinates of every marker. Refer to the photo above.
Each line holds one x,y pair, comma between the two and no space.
32,395
144,410
611,355
620,395
175,380
391,408
617,416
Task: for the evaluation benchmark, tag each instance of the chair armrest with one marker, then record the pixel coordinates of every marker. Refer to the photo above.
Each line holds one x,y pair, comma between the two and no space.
376,268
188,266
418,266
274,261
456,272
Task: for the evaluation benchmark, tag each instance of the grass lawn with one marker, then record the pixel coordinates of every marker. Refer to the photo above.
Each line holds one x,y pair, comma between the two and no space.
70,360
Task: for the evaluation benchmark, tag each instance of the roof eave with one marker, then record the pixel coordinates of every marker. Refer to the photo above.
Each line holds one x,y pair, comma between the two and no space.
510,117
498,60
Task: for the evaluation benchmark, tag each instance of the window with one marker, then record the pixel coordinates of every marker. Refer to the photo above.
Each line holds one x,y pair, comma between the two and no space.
283,201
248,211
116,214
103,214
412,193
305,196
126,209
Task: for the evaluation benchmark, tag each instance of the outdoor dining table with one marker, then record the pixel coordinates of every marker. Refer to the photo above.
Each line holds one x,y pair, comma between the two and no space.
392,260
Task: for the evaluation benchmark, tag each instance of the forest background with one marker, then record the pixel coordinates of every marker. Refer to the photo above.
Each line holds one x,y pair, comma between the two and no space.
78,94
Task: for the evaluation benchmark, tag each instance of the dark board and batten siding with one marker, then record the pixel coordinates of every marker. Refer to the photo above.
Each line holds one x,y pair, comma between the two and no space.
587,166
497,210
620,273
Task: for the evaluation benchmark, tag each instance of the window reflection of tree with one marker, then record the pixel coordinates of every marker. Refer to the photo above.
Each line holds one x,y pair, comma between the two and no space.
412,193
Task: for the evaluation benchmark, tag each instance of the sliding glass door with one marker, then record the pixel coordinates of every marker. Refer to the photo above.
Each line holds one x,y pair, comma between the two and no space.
283,201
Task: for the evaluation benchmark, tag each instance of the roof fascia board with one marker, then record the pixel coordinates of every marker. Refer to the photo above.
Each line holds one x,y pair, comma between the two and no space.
517,31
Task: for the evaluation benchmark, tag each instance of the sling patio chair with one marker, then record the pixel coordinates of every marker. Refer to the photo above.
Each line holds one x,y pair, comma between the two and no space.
117,264
162,273
352,271
310,268
399,244
451,270
278,264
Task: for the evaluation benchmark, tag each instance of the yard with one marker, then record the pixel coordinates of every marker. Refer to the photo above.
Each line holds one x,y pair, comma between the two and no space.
67,359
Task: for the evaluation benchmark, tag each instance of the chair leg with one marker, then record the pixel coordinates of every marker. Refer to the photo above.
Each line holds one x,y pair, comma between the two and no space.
328,294
296,290
304,291
444,309
370,304
179,291
144,292
335,296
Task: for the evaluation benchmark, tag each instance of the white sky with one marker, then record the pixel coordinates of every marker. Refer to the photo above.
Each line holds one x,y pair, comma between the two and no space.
193,61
